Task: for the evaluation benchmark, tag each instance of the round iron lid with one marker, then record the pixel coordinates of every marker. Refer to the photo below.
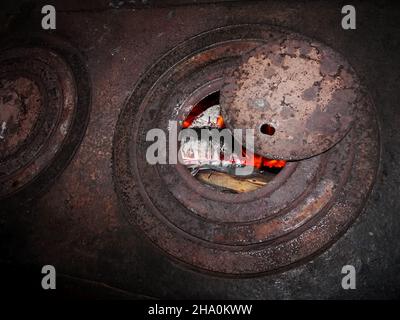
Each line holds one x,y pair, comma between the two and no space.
298,95
44,110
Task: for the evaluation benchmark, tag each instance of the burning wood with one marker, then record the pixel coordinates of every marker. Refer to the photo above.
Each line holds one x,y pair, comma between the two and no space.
235,184
210,155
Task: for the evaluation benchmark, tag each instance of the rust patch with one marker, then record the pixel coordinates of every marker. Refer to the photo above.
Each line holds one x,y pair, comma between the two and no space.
20,103
305,90
44,103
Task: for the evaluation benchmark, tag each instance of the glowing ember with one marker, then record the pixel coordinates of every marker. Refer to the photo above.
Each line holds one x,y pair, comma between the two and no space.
261,162
207,114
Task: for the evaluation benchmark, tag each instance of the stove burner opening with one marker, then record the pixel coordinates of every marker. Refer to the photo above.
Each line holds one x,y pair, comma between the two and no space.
206,114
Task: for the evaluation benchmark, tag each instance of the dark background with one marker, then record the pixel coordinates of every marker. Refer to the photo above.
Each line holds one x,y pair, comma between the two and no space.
76,225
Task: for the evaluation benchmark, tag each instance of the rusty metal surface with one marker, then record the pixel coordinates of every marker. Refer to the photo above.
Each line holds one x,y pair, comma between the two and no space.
301,89
77,224
45,106
262,231
20,105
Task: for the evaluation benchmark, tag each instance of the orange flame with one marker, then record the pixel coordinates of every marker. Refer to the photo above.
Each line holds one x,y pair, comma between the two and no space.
258,161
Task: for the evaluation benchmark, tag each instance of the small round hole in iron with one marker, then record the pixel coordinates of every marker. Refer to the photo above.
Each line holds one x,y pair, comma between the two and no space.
267,129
